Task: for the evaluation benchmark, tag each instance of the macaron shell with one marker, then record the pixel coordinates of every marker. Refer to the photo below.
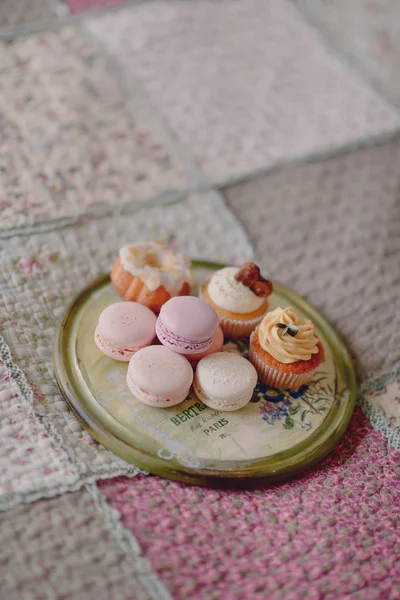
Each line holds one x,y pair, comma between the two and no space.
216,346
217,403
127,325
160,372
153,400
190,318
122,354
179,344
225,378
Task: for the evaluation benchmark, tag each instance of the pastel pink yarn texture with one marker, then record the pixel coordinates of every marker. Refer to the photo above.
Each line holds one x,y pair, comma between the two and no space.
78,6
330,534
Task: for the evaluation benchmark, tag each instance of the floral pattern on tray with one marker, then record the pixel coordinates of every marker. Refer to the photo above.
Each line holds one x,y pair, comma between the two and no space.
291,409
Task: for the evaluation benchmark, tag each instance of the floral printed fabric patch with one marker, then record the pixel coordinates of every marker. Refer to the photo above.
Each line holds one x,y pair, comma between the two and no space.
69,141
32,461
380,401
43,273
387,399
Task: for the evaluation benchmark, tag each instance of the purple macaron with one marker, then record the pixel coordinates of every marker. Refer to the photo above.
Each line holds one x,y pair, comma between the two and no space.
187,325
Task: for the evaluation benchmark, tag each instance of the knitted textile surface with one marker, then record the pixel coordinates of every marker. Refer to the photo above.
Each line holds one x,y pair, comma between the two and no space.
232,130
255,86
317,537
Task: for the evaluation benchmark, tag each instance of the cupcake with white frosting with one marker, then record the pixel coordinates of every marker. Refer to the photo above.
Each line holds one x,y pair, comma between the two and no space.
240,297
285,349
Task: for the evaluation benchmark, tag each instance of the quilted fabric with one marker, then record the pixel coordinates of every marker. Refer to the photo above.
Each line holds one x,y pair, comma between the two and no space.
30,460
380,401
116,128
62,548
78,6
24,13
331,534
387,398
375,49
69,140
331,230
244,84
43,273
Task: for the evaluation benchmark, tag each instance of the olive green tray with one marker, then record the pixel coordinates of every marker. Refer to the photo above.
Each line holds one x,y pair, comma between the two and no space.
276,436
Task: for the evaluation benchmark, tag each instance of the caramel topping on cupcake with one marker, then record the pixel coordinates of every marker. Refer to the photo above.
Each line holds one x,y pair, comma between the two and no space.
249,274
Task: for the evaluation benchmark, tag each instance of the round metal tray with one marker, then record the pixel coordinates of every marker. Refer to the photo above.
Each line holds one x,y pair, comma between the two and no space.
276,436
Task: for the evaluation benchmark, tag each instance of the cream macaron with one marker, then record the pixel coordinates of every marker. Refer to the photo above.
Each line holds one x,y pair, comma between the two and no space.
224,381
124,328
159,377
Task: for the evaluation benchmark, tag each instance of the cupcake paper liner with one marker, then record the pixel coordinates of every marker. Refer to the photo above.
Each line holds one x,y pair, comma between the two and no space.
236,329
278,379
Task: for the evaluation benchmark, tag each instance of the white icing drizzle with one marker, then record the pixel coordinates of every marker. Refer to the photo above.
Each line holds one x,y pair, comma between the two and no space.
156,265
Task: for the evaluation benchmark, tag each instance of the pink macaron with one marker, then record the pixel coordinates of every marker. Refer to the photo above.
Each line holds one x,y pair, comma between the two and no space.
187,325
124,328
159,377
216,346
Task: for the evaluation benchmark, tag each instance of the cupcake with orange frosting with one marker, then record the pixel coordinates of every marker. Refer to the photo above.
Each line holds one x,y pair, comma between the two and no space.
285,350
150,273
240,297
